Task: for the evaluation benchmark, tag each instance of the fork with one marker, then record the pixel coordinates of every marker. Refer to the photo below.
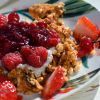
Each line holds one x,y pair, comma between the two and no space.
81,80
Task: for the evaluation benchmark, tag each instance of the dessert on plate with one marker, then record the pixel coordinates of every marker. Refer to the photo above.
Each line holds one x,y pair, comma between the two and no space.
40,57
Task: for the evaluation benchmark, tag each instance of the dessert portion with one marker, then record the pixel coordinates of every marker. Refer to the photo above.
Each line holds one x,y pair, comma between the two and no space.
39,57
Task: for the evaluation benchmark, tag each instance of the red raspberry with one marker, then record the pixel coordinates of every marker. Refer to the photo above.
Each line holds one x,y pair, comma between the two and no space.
86,46
41,24
13,17
11,60
38,57
3,20
7,90
26,50
35,56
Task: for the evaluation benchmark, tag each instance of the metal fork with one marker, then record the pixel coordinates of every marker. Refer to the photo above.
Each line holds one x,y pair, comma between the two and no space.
81,80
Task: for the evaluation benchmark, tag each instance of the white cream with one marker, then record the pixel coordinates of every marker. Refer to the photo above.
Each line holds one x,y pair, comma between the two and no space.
38,71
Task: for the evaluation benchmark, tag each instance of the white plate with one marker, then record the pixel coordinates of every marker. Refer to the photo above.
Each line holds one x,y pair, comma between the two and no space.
92,62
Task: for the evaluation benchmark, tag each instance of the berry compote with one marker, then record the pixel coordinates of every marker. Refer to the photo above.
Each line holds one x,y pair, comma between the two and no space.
15,33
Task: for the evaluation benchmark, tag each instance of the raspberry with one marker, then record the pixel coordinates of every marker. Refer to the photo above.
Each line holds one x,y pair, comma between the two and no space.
86,43
32,25
36,56
86,46
7,90
41,24
15,34
13,17
11,60
44,37
24,26
26,50
3,20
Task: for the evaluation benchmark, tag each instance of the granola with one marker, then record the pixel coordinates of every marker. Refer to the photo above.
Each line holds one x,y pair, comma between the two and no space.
39,11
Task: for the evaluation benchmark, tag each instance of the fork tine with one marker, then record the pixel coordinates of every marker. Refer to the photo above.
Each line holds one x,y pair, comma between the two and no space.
82,79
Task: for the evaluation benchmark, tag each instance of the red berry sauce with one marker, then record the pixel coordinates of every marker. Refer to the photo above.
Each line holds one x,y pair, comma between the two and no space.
14,34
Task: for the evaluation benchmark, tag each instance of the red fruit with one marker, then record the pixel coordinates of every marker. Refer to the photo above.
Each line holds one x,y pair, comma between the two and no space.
32,25
86,46
41,24
19,97
66,90
3,20
44,37
34,56
38,57
3,78
7,90
11,60
26,50
15,34
85,27
13,17
86,43
25,27
53,41
82,53
54,83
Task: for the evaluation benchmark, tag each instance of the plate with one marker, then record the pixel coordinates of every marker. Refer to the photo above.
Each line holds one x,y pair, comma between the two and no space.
90,64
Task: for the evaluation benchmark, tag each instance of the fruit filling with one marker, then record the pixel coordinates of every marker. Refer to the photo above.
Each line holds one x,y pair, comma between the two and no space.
14,34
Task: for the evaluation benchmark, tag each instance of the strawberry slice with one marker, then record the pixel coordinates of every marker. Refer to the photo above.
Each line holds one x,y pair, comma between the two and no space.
3,20
54,83
19,97
85,27
7,89
65,90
